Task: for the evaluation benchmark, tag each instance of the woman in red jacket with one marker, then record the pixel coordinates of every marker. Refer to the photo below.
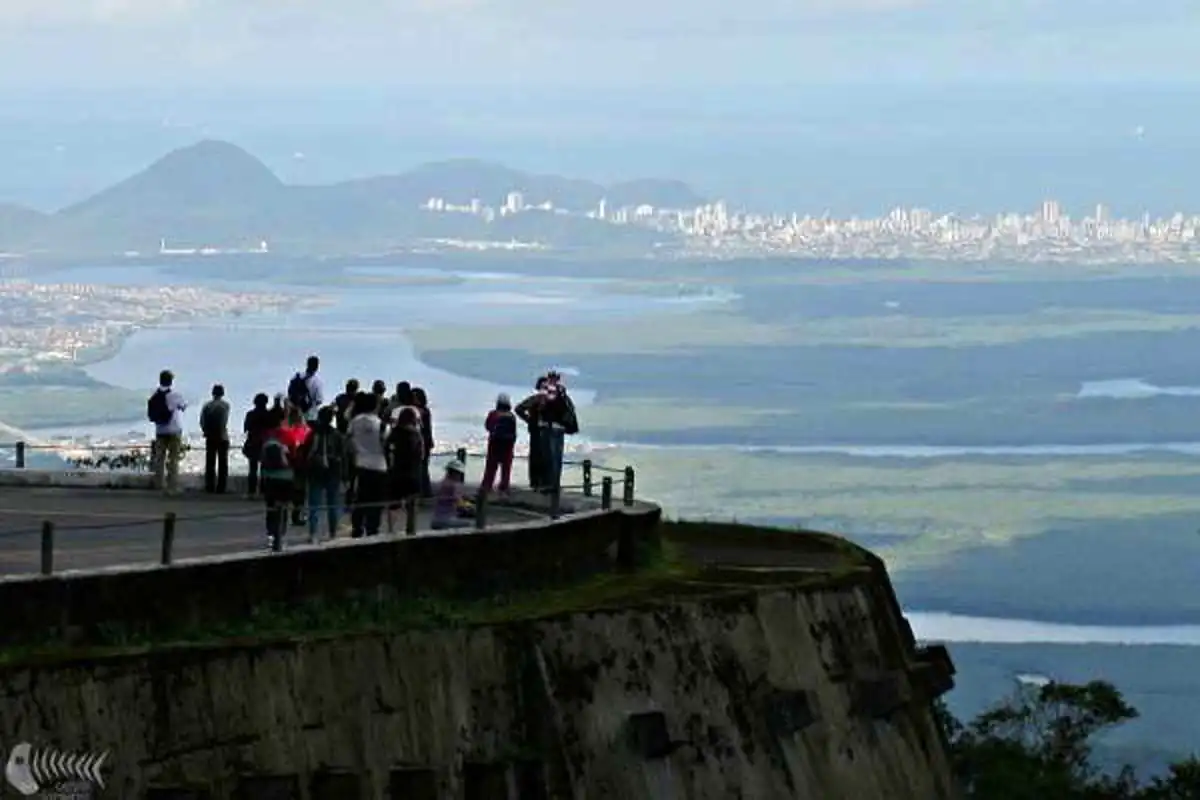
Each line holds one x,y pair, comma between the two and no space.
295,432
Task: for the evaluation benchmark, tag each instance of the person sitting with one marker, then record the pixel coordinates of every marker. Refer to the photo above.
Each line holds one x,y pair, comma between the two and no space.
451,510
501,425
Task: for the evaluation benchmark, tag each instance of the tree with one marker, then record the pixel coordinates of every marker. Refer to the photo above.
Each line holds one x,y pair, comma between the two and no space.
1039,745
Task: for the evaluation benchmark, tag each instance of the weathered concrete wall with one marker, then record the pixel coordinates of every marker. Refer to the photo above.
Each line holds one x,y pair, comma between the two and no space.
774,693
78,605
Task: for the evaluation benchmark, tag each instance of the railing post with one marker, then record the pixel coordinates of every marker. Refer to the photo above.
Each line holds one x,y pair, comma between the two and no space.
481,510
410,517
555,502
606,492
587,477
47,547
168,538
628,486
20,455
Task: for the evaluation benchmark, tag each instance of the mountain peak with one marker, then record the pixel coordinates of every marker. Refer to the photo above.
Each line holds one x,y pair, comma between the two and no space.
213,162
210,172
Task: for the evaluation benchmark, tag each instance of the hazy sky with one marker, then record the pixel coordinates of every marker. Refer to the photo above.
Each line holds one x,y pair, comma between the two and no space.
268,43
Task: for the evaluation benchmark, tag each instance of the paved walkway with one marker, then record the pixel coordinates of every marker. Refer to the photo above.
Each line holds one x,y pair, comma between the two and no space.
107,527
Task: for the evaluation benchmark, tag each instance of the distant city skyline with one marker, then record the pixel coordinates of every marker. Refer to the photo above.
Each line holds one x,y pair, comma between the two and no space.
1048,233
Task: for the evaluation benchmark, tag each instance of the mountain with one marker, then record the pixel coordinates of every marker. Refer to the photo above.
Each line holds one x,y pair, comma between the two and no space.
214,193
18,222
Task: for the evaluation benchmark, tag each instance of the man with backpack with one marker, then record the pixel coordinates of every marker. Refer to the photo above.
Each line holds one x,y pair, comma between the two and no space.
305,390
214,424
164,409
322,457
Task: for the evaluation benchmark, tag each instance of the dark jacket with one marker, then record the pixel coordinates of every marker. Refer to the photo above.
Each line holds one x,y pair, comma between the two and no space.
426,429
530,409
406,452
255,426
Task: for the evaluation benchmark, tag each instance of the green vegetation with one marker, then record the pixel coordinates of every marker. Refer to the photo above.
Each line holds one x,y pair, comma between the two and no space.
684,332
137,459
1039,746
930,507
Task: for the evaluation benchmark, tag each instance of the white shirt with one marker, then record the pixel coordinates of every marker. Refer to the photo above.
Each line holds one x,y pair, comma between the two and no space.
178,405
316,393
366,437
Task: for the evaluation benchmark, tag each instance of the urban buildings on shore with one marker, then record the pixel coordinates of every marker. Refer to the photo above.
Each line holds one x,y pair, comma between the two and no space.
1047,234
44,324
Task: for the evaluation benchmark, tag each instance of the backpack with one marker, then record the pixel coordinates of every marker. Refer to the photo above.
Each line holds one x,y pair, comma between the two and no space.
570,420
505,428
275,455
158,410
298,393
324,456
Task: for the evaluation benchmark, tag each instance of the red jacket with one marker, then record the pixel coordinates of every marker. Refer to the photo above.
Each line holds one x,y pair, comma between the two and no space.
294,436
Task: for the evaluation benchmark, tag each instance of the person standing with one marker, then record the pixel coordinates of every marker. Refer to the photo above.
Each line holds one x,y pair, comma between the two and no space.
344,404
305,390
257,423
322,457
558,420
501,426
530,412
214,425
278,478
406,460
165,409
370,467
295,431
421,401
382,406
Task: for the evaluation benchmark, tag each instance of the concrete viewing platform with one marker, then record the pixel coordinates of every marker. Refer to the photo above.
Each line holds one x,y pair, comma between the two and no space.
104,520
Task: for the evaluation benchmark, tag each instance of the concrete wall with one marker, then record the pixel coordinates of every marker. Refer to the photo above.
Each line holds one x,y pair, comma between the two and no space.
757,693
80,606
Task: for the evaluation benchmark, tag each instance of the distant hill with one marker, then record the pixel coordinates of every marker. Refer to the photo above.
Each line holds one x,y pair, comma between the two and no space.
214,193
18,223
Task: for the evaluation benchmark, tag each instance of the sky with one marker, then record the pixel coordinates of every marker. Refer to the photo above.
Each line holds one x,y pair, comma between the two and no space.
284,44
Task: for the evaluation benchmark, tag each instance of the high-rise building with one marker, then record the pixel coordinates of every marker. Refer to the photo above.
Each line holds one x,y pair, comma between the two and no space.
1051,212
514,202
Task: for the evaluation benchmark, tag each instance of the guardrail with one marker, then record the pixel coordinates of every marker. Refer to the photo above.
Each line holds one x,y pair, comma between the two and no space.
595,479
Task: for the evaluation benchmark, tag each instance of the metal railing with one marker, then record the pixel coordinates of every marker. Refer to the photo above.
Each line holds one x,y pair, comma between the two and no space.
170,522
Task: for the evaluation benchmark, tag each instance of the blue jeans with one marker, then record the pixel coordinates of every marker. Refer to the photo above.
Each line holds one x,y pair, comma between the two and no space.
552,451
324,490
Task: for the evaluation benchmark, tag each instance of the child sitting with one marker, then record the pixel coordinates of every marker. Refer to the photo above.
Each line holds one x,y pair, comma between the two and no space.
450,508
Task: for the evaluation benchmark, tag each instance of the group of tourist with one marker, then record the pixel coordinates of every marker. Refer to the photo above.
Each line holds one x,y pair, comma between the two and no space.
366,452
